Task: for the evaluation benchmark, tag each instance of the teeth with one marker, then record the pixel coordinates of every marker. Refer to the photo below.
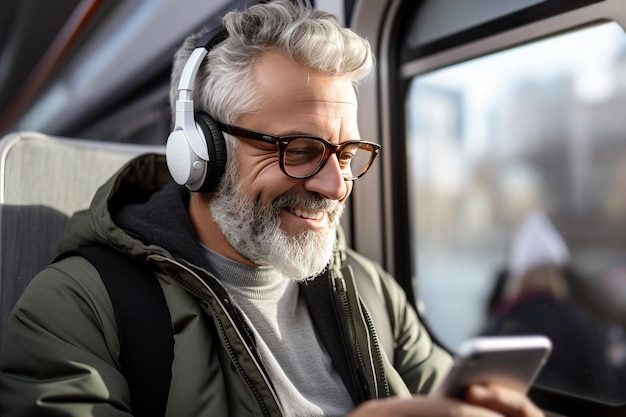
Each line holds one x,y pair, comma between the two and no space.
300,212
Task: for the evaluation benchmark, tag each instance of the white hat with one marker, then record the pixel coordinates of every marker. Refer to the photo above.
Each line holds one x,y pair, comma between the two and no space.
536,243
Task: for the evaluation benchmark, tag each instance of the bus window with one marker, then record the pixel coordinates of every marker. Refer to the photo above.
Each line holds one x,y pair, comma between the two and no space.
539,127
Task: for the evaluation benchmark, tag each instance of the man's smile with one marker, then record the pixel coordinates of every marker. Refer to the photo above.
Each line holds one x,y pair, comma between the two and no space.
307,214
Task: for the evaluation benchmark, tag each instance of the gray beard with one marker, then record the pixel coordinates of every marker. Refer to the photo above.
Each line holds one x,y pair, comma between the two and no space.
255,230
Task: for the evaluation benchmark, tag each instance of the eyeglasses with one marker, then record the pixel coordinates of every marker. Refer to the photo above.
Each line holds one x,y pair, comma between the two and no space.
302,156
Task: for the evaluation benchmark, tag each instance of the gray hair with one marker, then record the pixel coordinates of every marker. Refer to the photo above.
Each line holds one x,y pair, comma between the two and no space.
224,89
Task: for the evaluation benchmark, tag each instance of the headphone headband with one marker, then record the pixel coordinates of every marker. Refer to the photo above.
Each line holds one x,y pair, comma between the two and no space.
204,44
212,38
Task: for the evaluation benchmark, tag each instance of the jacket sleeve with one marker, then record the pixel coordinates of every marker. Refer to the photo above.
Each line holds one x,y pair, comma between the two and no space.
60,351
415,357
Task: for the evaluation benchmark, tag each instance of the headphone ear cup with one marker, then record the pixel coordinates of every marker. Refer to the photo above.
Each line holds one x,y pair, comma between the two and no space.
216,147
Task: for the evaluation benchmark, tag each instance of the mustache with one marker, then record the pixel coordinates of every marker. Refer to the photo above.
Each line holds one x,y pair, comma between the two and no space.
307,201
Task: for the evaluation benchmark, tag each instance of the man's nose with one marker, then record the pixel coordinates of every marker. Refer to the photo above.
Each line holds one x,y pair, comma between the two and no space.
329,181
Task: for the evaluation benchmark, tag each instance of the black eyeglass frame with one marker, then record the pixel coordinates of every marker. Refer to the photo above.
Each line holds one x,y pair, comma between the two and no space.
283,141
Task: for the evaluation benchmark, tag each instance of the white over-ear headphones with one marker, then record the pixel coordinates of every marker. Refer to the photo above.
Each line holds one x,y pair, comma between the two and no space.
196,151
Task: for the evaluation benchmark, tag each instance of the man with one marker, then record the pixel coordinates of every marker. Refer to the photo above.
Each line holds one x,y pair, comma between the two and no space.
260,287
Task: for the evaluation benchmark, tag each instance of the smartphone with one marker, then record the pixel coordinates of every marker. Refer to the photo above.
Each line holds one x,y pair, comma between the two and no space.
513,361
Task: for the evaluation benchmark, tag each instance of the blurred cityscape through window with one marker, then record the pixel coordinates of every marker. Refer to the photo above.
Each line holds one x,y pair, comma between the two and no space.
538,127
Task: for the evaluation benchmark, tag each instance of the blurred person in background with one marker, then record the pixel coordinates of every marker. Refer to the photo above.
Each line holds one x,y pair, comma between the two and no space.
532,296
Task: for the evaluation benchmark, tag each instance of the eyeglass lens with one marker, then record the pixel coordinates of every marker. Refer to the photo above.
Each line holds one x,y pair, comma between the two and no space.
304,156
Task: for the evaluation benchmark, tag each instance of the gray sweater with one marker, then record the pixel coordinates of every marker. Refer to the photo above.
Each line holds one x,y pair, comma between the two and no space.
298,364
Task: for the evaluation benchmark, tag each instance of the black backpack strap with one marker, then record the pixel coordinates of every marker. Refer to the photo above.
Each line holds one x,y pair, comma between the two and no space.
144,326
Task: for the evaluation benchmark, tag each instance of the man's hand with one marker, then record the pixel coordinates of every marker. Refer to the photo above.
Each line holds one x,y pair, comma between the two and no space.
506,401
482,401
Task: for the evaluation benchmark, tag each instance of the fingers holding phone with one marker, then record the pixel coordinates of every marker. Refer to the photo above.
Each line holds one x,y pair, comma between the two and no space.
509,402
494,403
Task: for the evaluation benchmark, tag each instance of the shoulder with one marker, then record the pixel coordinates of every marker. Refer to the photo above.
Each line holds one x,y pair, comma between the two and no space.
372,277
66,300
73,277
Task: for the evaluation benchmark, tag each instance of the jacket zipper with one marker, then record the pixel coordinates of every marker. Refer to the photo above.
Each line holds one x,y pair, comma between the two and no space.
377,353
379,377
233,356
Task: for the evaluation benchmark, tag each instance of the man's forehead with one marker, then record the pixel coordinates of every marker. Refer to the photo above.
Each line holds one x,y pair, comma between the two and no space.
277,76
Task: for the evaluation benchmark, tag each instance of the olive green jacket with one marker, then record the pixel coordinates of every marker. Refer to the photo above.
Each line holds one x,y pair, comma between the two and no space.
61,351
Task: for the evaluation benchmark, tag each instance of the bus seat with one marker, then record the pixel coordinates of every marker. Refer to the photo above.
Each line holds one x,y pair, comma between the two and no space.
43,180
